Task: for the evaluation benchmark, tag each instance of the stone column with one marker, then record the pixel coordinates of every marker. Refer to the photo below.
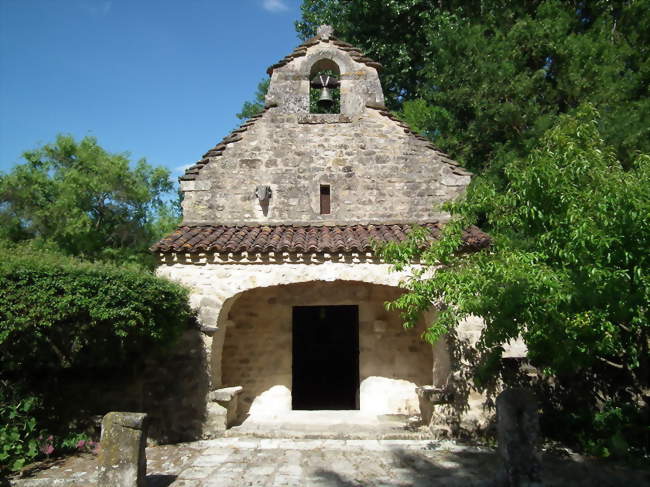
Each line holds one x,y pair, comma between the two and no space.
122,459
517,436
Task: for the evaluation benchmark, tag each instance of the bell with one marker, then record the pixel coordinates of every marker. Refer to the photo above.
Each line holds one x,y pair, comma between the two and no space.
325,99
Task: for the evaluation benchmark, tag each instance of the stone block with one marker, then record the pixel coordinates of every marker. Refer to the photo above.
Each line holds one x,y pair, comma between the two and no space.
202,185
518,437
221,411
216,420
225,395
122,460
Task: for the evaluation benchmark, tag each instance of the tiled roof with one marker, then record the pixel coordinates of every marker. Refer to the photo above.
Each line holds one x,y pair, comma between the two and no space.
298,239
301,50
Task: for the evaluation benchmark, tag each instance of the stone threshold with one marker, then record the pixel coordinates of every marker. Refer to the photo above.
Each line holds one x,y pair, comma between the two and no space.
331,425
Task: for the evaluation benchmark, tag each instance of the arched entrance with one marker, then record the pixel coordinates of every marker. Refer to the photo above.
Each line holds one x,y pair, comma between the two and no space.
322,345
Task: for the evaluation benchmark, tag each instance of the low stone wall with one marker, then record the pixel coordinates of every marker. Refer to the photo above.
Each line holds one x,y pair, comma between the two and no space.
170,387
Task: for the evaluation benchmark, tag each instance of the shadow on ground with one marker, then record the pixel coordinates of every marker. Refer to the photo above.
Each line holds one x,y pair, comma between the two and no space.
409,468
474,469
160,480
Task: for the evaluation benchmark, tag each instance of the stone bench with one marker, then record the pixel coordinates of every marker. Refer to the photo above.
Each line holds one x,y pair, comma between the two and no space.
221,410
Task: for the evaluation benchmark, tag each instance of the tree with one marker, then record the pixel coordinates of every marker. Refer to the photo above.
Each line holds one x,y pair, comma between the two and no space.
256,106
485,79
497,84
390,32
85,201
568,270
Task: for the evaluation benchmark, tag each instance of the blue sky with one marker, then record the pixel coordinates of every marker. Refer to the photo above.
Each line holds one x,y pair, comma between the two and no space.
161,79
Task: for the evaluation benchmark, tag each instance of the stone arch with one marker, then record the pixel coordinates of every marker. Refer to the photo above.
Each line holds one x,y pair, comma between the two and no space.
287,278
327,57
215,302
255,348
324,64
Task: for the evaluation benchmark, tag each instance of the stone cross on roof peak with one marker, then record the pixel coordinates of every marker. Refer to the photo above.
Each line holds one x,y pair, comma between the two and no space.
325,32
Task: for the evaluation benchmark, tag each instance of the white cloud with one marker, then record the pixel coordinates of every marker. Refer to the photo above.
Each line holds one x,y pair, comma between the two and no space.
275,5
97,8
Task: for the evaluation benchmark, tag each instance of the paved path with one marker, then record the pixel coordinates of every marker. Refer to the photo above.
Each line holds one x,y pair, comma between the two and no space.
243,462
246,462
281,462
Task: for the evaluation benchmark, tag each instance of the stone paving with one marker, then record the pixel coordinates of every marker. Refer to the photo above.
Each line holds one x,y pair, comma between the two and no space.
245,462
282,462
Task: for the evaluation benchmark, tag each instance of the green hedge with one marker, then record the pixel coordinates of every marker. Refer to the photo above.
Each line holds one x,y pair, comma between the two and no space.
61,317
58,312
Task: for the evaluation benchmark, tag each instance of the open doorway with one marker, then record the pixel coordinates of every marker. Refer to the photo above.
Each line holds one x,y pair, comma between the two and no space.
325,357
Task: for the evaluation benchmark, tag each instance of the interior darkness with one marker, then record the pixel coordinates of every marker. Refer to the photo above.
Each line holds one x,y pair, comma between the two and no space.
324,199
325,357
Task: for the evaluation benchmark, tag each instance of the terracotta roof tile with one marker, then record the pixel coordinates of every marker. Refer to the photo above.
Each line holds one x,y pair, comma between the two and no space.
296,238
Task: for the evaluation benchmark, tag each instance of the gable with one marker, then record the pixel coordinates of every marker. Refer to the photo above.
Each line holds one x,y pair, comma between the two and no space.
369,166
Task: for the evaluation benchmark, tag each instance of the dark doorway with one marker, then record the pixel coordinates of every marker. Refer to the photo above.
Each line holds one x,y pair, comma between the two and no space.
325,357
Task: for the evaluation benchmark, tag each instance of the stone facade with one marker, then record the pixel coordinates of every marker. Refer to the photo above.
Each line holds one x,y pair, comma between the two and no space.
375,171
244,305
216,286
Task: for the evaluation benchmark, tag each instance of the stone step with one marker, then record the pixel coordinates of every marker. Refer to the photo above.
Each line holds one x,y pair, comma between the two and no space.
331,432
331,425
326,435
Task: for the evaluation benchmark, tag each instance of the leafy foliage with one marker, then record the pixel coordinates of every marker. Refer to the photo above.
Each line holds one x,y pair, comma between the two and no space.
256,106
57,313
81,200
389,31
568,270
61,317
496,84
19,437
485,79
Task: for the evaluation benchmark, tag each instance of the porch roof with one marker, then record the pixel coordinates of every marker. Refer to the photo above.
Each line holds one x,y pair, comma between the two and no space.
299,238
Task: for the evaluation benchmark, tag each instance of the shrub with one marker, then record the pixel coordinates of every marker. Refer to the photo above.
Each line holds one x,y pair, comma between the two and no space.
19,435
60,318
60,313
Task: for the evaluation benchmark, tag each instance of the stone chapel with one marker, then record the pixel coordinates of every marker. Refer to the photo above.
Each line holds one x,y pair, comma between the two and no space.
276,246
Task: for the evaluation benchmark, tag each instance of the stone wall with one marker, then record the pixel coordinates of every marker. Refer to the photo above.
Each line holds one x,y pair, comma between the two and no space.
378,170
244,303
258,343
170,386
376,173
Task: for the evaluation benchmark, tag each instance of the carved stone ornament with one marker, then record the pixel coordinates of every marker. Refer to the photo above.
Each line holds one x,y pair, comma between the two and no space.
325,32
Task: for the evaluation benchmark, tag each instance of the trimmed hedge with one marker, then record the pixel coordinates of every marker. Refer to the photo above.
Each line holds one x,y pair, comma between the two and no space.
58,312
61,317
